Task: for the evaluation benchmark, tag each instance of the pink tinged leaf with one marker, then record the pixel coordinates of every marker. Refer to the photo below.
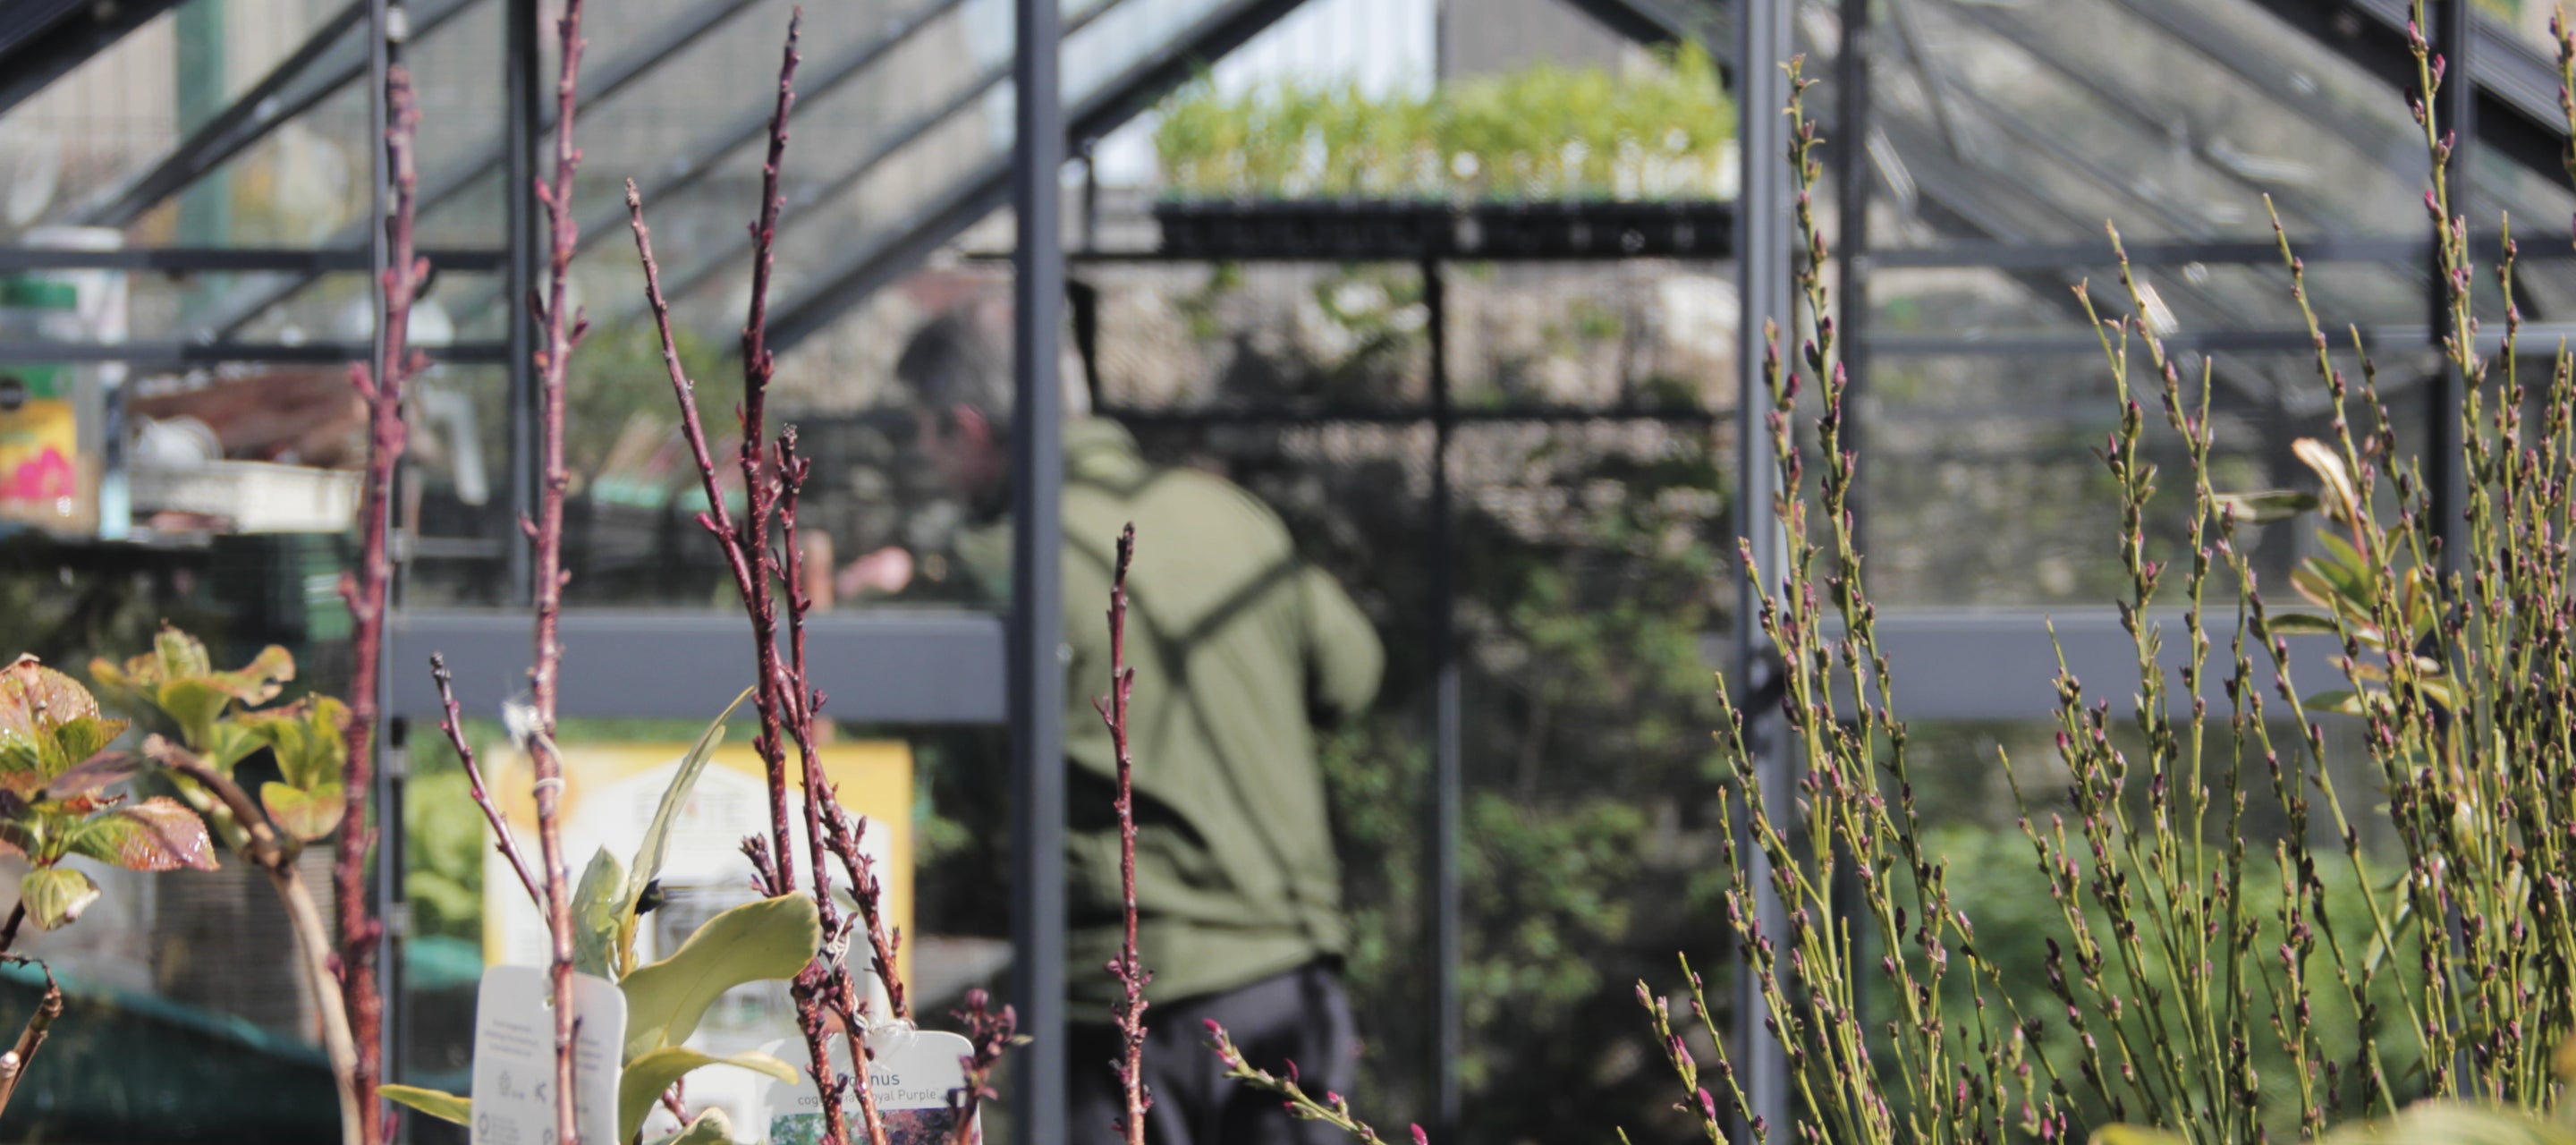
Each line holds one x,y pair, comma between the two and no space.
307,815
101,771
27,688
1420,1137
158,834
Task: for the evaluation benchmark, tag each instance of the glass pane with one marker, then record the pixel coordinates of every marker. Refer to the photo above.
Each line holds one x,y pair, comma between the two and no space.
1593,569
1982,484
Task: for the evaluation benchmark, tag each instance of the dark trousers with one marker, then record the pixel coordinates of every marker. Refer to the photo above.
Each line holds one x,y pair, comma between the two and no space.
1301,1015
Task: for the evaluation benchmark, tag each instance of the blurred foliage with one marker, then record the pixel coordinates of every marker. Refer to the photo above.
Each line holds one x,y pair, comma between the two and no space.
443,834
1544,133
1995,882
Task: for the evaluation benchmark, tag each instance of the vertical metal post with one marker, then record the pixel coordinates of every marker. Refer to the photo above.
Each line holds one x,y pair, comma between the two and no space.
1037,607
393,770
206,207
526,130
1851,261
2455,111
1851,247
1448,782
1762,246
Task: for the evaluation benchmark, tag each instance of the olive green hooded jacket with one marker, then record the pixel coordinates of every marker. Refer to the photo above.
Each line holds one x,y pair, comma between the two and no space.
1237,645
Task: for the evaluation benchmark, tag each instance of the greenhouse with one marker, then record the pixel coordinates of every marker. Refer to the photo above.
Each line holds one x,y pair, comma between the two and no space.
1820,570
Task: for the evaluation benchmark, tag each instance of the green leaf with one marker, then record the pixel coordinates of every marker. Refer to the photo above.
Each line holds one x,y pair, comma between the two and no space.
158,834
598,916
29,690
307,815
657,836
195,706
54,896
711,1128
2133,1135
2454,1123
2344,701
230,742
2269,505
307,736
179,656
2301,624
648,1075
81,737
441,1105
772,938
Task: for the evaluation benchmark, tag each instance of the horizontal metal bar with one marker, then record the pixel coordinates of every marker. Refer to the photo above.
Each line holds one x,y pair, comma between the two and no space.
2045,256
877,667
1402,415
208,353
237,260
2001,663
2536,336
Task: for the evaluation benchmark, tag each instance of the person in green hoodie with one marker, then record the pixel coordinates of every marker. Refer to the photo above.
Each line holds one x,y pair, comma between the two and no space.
1240,648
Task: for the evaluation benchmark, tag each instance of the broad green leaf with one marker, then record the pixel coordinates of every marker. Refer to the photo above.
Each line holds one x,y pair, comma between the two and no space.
259,681
438,1104
2352,587
2301,623
307,815
79,738
2345,702
2322,591
230,742
308,738
657,835
195,706
648,1075
711,1128
597,916
54,896
2454,1123
772,938
2133,1135
179,656
2340,551
21,754
2269,505
106,674
158,834
2342,501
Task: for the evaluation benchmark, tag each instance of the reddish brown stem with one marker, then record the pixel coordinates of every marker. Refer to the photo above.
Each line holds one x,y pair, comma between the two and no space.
13,1067
773,476
883,942
503,839
990,1034
9,929
367,592
560,332
1130,969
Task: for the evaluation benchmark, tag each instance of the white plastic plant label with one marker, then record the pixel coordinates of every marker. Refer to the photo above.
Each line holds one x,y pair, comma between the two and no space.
514,1058
913,1079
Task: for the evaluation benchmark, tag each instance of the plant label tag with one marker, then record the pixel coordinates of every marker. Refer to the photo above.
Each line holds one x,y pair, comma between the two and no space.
914,1079
514,1058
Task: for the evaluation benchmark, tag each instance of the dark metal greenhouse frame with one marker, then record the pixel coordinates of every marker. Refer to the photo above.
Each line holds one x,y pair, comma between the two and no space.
989,669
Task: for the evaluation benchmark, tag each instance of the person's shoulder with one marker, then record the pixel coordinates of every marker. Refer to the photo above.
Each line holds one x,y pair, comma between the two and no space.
1237,506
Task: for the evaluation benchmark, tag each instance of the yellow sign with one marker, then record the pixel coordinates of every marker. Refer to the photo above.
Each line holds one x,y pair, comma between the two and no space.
610,792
